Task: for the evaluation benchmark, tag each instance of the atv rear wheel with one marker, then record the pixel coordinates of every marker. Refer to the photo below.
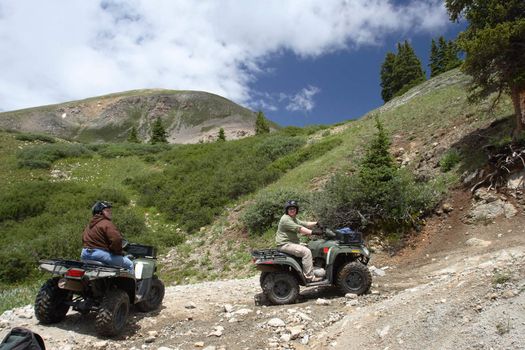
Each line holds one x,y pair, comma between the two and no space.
154,298
51,302
354,278
262,277
113,313
281,288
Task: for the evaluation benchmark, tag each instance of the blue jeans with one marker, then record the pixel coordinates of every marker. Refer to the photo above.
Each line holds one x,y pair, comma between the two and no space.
107,258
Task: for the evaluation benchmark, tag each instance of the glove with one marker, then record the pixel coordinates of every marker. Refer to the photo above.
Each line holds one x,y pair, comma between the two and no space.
317,231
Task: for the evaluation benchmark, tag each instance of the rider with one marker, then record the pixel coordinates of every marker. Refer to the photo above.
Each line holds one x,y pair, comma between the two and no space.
287,238
101,239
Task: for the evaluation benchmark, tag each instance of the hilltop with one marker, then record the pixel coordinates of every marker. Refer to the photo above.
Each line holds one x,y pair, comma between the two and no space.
188,116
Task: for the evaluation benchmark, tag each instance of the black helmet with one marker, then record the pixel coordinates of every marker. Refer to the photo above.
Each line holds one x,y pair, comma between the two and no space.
99,206
291,204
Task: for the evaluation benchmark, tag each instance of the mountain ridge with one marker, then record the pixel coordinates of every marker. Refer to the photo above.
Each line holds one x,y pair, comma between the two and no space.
188,116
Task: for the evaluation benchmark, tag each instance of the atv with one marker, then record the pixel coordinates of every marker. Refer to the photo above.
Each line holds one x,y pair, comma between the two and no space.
339,256
107,290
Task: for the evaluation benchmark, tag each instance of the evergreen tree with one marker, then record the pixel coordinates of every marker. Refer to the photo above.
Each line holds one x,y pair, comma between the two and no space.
261,124
494,44
400,72
221,136
158,132
451,56
407,72
133,136
377,173
443,56
434,59
387,77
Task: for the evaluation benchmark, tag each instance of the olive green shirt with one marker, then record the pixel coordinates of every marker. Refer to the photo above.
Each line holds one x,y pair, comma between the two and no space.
288,229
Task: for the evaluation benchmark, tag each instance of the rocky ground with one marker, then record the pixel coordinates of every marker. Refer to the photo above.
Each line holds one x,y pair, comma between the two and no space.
458,285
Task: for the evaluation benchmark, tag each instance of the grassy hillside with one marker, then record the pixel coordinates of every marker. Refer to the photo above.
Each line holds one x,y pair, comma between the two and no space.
189,200
428,121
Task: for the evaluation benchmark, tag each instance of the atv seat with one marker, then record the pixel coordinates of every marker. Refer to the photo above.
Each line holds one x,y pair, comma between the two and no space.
100,263
93,262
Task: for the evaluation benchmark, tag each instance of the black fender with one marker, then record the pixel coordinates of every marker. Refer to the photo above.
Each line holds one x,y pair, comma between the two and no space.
126,284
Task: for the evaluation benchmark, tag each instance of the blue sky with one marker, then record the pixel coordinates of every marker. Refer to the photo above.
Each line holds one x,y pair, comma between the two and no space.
347,82
300,61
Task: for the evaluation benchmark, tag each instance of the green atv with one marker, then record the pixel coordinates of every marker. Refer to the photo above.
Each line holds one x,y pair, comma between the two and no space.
107,290
340,256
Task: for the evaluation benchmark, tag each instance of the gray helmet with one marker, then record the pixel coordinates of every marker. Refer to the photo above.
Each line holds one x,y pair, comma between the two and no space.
99,206
291,204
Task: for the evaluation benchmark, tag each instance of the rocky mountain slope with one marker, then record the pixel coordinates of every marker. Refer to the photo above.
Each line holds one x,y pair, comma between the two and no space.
188,116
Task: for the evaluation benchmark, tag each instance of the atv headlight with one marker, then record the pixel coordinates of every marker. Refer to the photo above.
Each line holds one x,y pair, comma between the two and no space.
366,251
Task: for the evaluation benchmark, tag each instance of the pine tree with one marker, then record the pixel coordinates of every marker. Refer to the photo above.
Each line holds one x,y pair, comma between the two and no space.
387,77
451,56
221,136
494,44
406,72
377,169
443,56
133,136
158,132
261,124
434,59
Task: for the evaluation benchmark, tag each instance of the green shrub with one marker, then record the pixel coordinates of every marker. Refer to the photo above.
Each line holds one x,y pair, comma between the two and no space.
39,156
16,265
131,149
276,146
449,160
268,207
34,164
23,200
35,137
201,179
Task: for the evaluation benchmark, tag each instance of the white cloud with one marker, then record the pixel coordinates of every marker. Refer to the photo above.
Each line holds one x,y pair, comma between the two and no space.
59,50
303,100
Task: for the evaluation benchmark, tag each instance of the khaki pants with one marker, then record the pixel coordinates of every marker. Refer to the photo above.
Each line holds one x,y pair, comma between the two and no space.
302,252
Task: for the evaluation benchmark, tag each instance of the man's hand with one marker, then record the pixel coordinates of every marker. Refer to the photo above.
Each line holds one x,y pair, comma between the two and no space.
317,231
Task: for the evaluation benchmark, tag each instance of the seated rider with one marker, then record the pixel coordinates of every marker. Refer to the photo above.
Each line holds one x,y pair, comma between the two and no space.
287,238
102,241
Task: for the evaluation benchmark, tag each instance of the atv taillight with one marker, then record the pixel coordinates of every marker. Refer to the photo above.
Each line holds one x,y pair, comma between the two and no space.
325,250
75,273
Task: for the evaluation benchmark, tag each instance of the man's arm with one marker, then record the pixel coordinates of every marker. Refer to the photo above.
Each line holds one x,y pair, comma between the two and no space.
305,231
115,238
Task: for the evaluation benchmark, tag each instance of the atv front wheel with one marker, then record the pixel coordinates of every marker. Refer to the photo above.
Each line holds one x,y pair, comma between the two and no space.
113,313
281,288
154,297
51,302
354,278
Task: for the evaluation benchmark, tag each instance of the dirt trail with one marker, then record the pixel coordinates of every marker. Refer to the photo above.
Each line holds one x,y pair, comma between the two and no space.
457,286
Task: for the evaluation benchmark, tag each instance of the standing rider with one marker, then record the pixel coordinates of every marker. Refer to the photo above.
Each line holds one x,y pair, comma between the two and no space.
287,238
102,241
